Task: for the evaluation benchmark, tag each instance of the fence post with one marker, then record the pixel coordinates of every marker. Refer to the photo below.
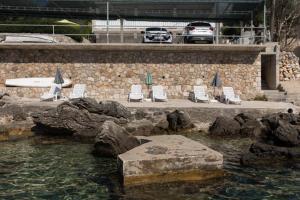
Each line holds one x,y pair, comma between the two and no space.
107,21
53,30
265,22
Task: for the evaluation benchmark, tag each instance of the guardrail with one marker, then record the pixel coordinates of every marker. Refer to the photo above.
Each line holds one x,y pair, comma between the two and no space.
133,34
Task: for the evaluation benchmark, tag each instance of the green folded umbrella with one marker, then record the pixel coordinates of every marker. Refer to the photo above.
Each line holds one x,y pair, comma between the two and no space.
149,79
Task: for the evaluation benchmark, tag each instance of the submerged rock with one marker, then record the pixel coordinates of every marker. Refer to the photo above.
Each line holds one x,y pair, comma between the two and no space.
113,140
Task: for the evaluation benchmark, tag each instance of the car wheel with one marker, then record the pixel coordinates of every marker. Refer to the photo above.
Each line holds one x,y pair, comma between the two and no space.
185,41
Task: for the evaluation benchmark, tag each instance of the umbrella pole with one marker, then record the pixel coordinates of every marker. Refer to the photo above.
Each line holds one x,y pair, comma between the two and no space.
214,92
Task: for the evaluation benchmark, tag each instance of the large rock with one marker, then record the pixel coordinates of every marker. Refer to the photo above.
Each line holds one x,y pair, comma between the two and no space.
179,120
248,124
266,155
147,123
109,108
224,126
113,140
114,109
277,142
73,118
279,130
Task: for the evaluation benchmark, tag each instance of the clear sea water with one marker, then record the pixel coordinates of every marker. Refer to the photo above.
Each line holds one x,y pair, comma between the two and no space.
59,169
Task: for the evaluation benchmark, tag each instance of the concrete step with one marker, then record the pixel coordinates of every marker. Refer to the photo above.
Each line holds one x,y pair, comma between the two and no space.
275,95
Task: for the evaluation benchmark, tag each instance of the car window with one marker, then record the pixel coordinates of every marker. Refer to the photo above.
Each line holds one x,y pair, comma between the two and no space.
156,29
199,24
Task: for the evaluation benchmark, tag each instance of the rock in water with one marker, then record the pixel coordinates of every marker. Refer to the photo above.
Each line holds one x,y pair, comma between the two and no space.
113,140
277,142
224,126
179,120
261,154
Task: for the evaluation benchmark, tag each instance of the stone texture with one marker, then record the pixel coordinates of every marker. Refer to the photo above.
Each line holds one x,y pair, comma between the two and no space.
113,140
109,74
277,142
81,118
179,120
289,68
168,158
224,126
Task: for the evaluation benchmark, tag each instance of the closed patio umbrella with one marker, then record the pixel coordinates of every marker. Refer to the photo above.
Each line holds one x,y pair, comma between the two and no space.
58,77
149,80
216,81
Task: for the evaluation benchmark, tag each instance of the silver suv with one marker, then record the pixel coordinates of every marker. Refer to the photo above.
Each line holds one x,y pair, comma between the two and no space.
157,35
198,32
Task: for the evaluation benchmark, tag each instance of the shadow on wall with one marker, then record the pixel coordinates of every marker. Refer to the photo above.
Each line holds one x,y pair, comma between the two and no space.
147,57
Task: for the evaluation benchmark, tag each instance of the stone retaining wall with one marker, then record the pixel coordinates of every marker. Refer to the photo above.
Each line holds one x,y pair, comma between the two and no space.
109,74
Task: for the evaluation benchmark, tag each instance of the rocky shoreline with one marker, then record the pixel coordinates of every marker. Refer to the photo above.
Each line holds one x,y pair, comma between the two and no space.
104,123
276,138
113,128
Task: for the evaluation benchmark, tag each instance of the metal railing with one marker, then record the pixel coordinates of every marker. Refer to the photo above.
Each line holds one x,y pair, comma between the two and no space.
133,34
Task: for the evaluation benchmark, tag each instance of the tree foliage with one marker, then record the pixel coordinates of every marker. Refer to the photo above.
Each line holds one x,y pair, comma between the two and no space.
285,21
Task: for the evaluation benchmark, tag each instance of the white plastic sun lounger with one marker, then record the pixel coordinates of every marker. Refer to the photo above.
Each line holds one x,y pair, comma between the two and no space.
158,93
200,94
136,93
79,91
53,93
230,97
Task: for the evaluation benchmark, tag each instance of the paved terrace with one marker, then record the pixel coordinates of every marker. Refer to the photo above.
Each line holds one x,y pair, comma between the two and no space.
183,103
176,104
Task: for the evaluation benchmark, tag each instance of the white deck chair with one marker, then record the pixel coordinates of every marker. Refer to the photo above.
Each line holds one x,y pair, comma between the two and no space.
230,97
158,93
200,94
78,91
136,93
53,94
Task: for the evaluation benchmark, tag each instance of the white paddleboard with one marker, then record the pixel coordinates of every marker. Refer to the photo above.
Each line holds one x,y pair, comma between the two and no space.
34,82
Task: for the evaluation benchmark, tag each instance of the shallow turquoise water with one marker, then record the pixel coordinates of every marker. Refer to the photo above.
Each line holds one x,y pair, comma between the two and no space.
67,170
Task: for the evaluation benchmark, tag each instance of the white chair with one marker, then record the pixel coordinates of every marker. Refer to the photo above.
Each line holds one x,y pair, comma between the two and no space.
200,94
53,94
158,93
230,97
136,93
79,91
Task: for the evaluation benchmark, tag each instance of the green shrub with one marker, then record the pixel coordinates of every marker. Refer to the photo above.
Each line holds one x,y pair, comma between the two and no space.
260,98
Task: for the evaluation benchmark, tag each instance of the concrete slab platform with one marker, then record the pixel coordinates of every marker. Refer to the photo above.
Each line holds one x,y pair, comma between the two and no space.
169,158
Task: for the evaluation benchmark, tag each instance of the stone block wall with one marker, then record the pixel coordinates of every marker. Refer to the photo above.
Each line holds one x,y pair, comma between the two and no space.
109,74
